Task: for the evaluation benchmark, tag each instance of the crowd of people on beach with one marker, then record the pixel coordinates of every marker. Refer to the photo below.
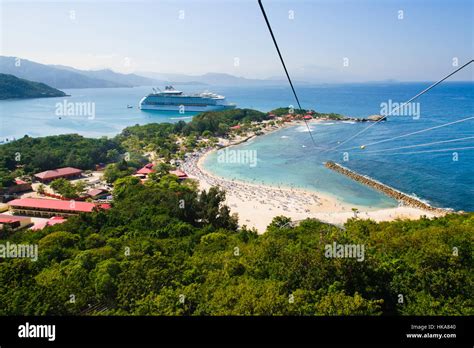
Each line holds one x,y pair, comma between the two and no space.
276,197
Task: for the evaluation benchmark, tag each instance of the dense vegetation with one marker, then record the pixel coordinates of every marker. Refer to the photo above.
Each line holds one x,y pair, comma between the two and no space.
219,123
70,150
296,111
14,87
67,189
167,249
32,155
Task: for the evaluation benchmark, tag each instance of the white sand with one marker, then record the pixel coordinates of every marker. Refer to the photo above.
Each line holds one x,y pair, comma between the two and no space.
257,205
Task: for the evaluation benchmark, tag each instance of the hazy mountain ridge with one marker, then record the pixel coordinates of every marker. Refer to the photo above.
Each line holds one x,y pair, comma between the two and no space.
62,76
50,75
216,79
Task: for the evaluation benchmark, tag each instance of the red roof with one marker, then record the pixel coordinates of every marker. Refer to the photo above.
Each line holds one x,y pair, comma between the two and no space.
52,204
95,192
57,218
307,117
235,127
57,173
179,173
20,182
8,219
147,169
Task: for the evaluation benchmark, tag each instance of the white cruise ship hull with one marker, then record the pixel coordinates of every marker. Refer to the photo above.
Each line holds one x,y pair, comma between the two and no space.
173,100
186,108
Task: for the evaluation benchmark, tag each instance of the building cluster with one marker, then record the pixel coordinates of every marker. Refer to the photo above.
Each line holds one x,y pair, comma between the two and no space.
149,168
25,211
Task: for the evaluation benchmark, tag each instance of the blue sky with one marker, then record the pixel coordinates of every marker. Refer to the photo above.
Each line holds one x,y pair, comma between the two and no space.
131,36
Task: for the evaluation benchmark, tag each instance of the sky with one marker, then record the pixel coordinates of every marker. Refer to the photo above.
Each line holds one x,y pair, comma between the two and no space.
321,40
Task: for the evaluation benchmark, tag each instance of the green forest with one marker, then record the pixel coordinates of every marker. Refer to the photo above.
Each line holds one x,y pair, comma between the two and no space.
166,249
13,87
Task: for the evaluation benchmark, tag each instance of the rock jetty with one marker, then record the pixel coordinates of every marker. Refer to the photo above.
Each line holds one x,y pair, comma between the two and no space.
387,190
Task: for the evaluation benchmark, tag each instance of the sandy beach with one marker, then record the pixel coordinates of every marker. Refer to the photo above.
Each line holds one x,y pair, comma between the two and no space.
256,204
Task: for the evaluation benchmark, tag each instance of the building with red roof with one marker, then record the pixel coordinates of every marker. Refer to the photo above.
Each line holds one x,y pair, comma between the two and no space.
14,222
308,117
51,222
179,173
235,127
147,169
50,175
51,207
97,193
18,186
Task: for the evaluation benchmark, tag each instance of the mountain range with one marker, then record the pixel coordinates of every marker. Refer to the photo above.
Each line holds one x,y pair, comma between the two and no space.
61,76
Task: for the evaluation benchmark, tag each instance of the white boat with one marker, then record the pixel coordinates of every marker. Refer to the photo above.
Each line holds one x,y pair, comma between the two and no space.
173,100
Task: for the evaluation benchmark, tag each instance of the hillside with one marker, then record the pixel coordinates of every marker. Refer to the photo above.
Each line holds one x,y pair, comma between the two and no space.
14,87
59,76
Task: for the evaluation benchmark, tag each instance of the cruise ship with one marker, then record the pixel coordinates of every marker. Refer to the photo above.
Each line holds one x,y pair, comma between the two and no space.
173,100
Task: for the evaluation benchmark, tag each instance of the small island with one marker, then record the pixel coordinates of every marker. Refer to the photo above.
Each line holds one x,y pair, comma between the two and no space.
12,87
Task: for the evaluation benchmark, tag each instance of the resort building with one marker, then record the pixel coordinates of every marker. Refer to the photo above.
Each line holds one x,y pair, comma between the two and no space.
179,173
50,175
147,169
51,207
98,193
52,221
14,222
12,191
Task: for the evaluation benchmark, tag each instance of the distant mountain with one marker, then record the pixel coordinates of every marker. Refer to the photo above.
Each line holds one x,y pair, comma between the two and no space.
50,75
14,87
126,80
60,76
216,79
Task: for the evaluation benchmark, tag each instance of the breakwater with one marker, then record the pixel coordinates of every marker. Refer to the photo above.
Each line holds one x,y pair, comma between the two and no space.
385,189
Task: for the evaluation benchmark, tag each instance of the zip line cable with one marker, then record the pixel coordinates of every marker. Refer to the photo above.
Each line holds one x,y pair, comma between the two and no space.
413,133
402,105
428,151
284,67
419,145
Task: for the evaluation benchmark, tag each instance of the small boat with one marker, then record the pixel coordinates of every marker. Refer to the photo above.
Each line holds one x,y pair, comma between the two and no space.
129,106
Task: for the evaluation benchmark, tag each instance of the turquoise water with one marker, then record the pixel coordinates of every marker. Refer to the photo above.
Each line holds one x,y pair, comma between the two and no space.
282,161
37,117
288,157
442,178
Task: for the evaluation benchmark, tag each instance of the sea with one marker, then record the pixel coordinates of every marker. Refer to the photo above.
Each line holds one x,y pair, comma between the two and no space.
425,149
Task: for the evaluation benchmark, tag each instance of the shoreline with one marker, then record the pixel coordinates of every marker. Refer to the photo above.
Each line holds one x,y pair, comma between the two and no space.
257,204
